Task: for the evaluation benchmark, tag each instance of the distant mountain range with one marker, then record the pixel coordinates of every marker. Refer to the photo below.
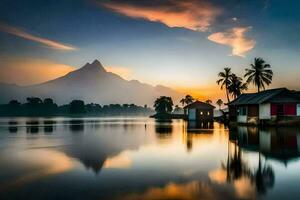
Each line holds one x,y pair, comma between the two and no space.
91,83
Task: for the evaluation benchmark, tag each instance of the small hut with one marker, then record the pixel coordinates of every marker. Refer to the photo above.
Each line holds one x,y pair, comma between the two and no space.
199,111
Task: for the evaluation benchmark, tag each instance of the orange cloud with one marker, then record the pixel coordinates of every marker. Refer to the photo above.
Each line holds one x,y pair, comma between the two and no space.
47,42
236,39
185,191
32,70
193,15
121,71
218,176
121,161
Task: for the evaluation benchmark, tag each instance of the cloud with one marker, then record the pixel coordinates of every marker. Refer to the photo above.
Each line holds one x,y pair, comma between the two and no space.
50,43
32,70
121,161
189,14
236,39
185,191
121,71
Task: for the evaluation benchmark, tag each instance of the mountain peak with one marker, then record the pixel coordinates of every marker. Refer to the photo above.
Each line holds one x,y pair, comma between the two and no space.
96,66
96,62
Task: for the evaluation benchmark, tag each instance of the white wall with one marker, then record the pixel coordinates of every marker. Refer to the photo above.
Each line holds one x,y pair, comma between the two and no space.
265,111
242,118
298,109
192,114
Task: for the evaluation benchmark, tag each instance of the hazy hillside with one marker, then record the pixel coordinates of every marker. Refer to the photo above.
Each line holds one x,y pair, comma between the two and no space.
91,83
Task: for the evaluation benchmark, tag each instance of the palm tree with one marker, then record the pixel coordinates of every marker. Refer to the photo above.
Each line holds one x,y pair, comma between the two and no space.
189,99
259,74
182,101
224,80
219,103
163,104
208,101
236,86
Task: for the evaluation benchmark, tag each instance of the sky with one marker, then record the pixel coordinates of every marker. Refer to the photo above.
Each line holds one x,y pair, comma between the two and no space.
182,44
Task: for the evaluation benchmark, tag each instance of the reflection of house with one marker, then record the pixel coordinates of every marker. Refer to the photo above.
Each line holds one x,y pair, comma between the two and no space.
281,143
271,106
200,111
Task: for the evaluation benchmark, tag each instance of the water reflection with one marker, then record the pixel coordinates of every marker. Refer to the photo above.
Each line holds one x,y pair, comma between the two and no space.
146,159
49,126
163,129
76,125
13,128
193,126
32,126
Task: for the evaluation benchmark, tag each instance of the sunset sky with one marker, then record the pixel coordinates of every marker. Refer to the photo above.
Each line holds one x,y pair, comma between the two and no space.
182,44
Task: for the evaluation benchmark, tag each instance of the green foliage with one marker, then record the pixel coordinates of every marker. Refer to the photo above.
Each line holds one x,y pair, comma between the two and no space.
34,106
77,107
163,104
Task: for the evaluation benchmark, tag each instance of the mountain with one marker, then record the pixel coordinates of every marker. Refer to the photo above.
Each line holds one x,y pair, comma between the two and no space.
91,83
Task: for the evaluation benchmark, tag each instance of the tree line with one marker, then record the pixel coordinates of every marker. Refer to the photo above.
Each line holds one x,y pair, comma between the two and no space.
35,106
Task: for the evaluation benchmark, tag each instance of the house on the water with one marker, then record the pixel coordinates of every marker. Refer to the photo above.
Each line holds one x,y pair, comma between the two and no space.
275,106
199,111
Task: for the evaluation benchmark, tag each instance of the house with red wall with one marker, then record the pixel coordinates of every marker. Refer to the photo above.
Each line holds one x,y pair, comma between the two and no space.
275,106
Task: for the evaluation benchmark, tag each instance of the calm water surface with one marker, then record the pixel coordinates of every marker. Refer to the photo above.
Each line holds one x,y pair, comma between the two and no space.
137,158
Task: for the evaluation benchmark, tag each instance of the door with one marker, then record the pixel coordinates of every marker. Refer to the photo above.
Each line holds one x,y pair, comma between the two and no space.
280,111
192,114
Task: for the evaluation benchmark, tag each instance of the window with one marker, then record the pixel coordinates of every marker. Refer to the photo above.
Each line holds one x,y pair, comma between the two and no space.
208,113
242,111
201,113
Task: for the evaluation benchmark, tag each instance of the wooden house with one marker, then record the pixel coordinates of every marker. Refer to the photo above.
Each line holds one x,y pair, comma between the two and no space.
199,111
273,106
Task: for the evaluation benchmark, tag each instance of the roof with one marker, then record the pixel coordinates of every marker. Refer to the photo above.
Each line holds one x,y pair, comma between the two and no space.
199,104
261,97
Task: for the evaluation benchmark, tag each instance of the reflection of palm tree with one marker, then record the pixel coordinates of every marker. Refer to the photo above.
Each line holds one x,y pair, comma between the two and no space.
264,177
235,166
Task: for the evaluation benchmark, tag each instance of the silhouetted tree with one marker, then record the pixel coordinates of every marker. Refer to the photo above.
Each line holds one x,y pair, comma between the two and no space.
34,101
163,104
236,86
224,80
208,101
77,107
259,74
219,103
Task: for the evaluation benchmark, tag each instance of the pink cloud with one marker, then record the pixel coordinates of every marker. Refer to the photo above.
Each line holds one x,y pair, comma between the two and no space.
193,15
236,39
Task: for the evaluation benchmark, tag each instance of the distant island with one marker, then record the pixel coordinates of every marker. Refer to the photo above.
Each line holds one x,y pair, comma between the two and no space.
35,106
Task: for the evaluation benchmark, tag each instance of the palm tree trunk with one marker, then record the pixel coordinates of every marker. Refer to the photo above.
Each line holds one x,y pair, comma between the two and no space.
228,101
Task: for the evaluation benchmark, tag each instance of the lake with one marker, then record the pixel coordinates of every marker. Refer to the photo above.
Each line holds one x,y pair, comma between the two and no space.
140,158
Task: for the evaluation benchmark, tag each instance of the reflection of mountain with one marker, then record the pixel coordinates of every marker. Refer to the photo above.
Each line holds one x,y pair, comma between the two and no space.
93,148
91,83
